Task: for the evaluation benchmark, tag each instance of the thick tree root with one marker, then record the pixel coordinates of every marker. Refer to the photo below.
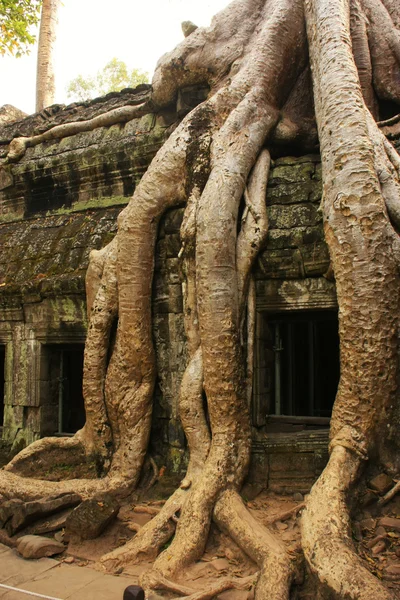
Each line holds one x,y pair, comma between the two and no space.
326,533
222,586
389,495
150,539
277,570
24,488
122,114
47,450
155,581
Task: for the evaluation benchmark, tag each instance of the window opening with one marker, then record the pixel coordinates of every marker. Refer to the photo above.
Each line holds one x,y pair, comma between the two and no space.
299,363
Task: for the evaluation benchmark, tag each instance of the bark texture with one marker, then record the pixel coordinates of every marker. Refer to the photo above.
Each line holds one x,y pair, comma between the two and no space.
281,73
45,81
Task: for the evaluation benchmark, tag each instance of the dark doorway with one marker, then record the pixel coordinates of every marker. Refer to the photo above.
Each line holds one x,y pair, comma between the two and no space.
2,382
63,398
300,366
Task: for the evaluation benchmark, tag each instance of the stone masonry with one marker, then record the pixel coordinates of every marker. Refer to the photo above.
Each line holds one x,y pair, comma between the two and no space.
62,199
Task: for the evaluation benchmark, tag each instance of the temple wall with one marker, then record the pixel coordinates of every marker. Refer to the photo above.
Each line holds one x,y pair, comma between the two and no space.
62,200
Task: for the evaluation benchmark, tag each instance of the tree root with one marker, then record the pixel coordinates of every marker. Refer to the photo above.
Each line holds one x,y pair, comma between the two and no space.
57,450
389,495
25,488
150,539
287,514
222,586
277,570
121,114
155,581
326,533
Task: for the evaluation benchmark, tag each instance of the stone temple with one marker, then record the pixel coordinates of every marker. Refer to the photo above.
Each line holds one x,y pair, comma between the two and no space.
61,199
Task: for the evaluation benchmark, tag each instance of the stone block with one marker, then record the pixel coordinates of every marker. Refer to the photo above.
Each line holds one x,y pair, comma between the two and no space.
381,483
291,193
301,172
49,524
172,245
299,215
34,546
175,300
91,517
15,570
189,97
176,437
173,221
390,523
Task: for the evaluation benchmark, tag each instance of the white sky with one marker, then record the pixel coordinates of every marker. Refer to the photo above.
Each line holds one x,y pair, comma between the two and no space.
91,32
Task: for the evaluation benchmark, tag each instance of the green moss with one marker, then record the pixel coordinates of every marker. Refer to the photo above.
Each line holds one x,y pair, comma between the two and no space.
11,218
92,203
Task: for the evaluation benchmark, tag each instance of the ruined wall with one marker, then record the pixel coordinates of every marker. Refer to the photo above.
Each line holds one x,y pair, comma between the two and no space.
62,200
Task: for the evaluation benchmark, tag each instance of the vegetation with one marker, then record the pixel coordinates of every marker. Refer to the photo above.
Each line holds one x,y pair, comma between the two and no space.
17,17
114,77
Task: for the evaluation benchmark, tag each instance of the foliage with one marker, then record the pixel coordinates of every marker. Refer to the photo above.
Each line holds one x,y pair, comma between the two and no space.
16,19
114,77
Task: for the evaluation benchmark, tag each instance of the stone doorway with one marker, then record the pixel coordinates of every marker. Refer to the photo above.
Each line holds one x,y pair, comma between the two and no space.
62,402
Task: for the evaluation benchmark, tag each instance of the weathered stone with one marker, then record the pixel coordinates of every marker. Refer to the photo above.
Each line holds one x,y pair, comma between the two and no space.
188,27
299,215
300,172
368,498
48,525
220,564
393,570
368,524
92,517
33,546
6,178
390,523
17,515
10,114
69,560
7,510
189,97
381,483
379,547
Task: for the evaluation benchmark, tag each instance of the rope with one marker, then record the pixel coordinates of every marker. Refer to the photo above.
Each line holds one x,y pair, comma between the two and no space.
13,589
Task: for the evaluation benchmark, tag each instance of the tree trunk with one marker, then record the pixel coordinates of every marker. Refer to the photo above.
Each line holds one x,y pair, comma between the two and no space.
256,58
45,78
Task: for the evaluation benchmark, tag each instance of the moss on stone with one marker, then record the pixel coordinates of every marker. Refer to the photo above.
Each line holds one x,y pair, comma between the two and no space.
90,204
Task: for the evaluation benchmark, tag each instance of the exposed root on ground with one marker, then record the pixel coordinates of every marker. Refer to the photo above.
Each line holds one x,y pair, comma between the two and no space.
277,569
326,532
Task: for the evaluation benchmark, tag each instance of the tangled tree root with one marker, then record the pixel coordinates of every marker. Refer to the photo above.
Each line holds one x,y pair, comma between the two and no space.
261,59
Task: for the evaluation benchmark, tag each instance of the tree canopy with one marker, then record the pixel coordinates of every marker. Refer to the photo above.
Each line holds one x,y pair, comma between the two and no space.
16,19
114,77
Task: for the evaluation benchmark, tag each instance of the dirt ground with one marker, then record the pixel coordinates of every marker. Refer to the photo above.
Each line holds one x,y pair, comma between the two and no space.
376,536
378,545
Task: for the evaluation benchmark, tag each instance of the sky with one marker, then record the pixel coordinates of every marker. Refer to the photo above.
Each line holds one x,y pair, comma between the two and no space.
91,32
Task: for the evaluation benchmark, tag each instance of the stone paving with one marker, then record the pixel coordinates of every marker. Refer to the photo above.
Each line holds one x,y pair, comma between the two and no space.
53,578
